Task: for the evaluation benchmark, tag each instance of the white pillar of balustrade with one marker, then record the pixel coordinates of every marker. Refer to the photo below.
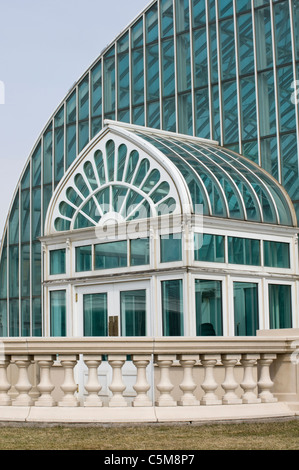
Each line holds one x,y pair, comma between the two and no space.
188,385
230,385
165,386
45,386
23,385
209,384
5,386
265,383
141,386
117,386
93,387
69,386
249,384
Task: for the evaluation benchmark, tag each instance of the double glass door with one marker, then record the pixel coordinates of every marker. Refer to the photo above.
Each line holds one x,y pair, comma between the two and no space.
114,310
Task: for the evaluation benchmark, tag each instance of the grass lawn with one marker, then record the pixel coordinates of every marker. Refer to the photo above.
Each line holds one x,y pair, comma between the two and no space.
283,435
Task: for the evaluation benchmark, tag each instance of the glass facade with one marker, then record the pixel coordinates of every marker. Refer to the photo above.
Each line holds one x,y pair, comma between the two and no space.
208,305
226,74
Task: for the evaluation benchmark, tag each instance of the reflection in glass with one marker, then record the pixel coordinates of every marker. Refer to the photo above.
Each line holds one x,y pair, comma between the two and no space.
246,311
172,307
280,306
95,319
58,313
133,313
208,305
111,255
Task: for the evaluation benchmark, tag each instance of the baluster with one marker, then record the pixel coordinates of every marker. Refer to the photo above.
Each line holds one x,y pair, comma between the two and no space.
23,385
117,385
229,385
188,385
165,386
5,386
93,387
45,386
142,386
265,383
209,385
249,384
69,386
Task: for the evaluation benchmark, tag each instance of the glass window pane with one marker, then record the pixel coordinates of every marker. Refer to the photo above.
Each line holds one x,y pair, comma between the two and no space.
109,80
96,90
25,317
111,255
123,71
209,248
172,308
246,312
263,38
14,222
58,313
3,271
171,248
168,73
95,314
282,33
166,18
208,304
14,321
151,24
36,317
14,271
36,269
83,90
83,258
140,252
57,262
244,251
153,82
246,46
36,167
47,156
280,306
25,270
276,254
3,318
133,313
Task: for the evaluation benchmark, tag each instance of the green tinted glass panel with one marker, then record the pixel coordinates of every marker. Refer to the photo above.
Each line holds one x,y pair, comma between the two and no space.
208,305
133,313
3,271
83,258
111,255
3,318
25,317
14,321
172,307
244,251
95,314
25,270
58,313
276,254
36,317
246,312
280,306
96,90
57,262
171,248
139,252
209,248
14,271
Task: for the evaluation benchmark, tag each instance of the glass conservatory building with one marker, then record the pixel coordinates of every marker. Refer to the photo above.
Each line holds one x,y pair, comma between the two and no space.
162,197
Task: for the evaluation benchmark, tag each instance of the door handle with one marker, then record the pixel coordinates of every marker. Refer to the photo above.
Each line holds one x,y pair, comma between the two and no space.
113,326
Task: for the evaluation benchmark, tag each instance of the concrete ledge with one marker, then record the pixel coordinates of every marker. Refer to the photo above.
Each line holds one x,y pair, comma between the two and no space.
186,414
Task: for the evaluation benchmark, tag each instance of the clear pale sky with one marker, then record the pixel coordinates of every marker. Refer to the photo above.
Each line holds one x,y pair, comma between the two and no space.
45,46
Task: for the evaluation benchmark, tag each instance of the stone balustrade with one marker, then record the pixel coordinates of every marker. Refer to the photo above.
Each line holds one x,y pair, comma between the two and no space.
186,372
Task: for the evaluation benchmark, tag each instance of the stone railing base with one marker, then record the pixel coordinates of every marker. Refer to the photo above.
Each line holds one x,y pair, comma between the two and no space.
147,415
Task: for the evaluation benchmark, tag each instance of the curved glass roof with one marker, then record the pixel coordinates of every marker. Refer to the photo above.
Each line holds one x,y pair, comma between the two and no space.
226,184
217,181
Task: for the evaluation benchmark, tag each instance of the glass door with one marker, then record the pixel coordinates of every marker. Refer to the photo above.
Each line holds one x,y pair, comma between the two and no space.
114,310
